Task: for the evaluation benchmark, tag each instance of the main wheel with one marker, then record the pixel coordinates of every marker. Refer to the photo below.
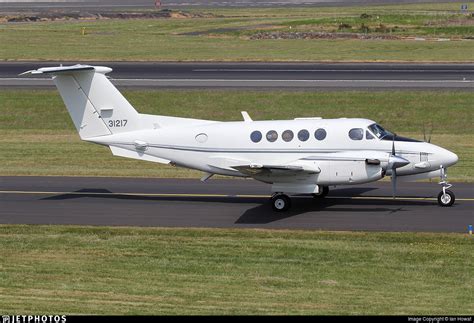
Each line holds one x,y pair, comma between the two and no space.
322,192
446,199
281,202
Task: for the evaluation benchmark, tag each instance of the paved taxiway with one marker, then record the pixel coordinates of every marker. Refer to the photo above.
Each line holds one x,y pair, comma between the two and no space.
227,203
263,75
101,5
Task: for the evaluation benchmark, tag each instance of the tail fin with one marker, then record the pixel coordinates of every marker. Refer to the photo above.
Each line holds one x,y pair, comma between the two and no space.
96,107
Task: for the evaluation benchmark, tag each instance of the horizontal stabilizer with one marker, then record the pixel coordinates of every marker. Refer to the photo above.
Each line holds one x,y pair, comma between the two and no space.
68,69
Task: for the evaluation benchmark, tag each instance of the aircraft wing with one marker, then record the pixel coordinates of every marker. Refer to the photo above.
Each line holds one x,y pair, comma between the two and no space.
301,169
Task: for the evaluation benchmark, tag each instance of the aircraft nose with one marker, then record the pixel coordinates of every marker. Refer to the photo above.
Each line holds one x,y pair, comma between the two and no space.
449,158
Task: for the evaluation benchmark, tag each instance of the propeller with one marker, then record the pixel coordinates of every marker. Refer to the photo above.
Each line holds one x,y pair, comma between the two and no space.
394,170
429,138
395,162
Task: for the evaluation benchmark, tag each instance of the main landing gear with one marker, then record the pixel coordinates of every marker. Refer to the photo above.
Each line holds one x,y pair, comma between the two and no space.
322,193
445,197
282,202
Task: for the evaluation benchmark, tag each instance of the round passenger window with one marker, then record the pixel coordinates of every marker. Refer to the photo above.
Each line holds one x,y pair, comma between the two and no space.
320,134
287,135
272,135
303,135
202,138
256,136
356,134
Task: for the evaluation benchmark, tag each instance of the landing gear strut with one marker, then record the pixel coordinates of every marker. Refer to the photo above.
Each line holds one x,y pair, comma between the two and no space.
280,202
445,197
323,191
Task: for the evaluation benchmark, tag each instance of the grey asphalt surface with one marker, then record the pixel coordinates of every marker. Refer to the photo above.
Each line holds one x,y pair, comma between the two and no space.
263,75
228,204
101,5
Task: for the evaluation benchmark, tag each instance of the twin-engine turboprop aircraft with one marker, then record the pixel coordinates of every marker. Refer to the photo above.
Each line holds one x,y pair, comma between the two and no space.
300,156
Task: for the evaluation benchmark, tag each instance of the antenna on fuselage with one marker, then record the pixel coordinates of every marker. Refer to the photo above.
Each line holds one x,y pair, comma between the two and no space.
424,132
246,116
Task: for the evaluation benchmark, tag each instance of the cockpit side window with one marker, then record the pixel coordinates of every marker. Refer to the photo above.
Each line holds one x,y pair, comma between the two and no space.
379,131
356,134
368,135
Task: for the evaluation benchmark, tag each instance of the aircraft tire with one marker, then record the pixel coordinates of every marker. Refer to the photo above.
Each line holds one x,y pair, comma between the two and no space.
446,199
281,202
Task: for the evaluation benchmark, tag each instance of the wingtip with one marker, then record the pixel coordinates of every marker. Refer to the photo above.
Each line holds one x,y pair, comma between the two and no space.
27,73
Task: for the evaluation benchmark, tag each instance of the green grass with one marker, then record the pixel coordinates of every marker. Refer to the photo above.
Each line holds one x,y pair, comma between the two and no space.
37,136
394,24
101,270
404,111
404,8
225,37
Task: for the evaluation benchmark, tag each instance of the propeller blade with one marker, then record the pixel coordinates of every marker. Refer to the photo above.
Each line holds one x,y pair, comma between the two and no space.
424,133
394,182
393,145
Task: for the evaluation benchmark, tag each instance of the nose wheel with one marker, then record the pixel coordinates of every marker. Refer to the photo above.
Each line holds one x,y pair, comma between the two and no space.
445,197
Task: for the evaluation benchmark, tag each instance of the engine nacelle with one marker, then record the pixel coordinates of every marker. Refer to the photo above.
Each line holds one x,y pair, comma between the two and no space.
348,172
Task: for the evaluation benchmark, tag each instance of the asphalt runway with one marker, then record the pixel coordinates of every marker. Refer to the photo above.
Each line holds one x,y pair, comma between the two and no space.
101,5
311,76
228,204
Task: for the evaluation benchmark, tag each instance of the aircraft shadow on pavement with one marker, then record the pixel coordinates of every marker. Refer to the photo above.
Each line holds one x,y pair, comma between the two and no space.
106,194
263,213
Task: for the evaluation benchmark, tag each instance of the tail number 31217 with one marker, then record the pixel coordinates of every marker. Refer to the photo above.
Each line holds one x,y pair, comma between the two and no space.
118,123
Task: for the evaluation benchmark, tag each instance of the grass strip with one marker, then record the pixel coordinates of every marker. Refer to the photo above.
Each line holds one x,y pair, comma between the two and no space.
103,270
225,35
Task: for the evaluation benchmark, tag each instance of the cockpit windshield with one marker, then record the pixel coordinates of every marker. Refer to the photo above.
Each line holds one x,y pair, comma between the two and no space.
380,132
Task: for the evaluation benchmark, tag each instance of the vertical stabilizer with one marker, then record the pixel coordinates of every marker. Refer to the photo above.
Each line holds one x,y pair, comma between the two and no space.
96,107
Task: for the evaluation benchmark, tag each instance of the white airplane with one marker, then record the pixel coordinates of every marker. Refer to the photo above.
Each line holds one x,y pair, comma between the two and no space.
300,156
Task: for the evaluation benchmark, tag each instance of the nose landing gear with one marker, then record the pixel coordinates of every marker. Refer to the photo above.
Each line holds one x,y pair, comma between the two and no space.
445,197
